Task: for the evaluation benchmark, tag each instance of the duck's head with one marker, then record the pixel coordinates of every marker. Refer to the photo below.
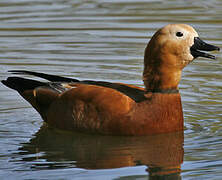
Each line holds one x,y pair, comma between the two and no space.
170,50
177,45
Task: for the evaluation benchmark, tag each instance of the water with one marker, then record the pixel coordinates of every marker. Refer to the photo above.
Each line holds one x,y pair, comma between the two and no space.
105,40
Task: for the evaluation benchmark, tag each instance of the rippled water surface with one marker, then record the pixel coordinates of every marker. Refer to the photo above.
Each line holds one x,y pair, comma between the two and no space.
105,40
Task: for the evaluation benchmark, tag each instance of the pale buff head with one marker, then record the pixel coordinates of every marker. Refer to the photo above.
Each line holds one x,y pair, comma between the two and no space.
171,45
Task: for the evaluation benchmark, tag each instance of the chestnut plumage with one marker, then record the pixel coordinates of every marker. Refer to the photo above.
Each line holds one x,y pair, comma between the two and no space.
116,108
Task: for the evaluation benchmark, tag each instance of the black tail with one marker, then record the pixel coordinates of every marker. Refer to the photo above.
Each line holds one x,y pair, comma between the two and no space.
21,84
48,77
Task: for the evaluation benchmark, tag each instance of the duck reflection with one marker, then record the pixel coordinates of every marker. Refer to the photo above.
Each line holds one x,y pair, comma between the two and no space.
163,154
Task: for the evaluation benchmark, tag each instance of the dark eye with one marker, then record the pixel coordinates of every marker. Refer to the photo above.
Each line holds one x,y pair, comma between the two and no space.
179,34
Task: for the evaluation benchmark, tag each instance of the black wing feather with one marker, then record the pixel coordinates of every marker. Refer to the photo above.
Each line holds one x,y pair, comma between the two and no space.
49,77
134,93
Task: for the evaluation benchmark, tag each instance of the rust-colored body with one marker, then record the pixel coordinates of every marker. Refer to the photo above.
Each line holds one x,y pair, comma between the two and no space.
104,110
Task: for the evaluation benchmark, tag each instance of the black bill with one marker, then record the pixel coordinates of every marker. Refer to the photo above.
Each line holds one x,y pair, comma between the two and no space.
201,45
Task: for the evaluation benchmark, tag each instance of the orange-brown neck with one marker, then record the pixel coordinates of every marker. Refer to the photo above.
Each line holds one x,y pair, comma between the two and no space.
160,71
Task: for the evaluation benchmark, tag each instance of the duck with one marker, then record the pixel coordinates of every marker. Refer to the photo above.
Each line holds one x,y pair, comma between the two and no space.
116,108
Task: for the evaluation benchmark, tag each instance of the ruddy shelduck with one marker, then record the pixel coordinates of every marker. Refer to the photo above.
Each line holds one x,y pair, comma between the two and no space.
116,108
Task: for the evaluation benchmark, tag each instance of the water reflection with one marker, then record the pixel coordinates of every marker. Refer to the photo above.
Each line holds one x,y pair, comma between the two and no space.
53,149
